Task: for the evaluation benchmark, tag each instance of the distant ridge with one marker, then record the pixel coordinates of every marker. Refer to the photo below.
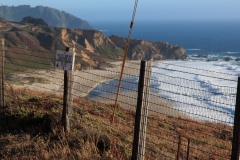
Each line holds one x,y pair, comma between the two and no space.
52,16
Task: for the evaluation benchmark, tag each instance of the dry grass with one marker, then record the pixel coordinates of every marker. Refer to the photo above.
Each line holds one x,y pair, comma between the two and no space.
31,129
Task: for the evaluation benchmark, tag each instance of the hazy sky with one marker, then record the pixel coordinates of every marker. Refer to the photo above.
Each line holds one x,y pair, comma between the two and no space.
157,10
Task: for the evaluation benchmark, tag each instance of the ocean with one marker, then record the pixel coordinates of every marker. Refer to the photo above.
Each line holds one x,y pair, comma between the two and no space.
213,49
204,37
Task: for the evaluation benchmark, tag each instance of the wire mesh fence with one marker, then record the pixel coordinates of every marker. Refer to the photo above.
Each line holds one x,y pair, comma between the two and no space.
190,115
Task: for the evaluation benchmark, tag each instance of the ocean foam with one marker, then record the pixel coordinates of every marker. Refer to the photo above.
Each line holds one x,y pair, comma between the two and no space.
207,93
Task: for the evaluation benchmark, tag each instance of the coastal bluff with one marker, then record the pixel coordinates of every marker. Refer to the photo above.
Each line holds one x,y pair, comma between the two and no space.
92,46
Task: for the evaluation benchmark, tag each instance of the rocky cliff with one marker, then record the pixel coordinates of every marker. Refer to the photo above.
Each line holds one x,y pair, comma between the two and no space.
92,46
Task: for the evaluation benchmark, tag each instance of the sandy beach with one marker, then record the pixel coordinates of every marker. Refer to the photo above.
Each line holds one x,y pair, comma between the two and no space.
86,80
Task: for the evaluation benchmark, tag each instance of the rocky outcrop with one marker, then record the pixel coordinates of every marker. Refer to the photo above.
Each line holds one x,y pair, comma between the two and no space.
144,50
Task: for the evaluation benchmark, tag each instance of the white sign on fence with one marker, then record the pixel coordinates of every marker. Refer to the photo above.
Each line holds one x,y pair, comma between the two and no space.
65,60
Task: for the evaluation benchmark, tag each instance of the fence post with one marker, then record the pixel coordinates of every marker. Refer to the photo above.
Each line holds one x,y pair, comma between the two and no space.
2,77
188,148
179,147
236,127
140,128
67,99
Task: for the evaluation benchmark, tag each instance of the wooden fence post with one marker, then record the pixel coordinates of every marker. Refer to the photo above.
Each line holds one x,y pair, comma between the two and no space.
140,128
2,77
188,149
179,147
236,127
67,98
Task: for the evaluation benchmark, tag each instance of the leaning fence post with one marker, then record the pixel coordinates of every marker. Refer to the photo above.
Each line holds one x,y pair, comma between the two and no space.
140,127
236,127
2,78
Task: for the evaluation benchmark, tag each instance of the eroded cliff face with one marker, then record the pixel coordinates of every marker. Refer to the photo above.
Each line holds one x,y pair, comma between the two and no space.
113,47
92,46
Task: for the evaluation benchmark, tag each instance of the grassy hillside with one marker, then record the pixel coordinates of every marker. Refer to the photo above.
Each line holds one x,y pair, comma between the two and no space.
31,129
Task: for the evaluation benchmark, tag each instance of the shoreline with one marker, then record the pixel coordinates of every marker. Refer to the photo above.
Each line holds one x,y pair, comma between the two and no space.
86,81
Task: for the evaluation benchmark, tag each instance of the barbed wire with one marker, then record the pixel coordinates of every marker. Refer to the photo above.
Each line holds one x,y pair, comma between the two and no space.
135,90
198,69
175,142
95,74
31,55
199,141
188,129
161,105
188,112
114,135
163,68
161,61
114,127
193,96
40,65
197,74
188,81
186,104
109,77
126,88
27,72
53,52
36,62
111,85
54,58
92,94
134,68
199,150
